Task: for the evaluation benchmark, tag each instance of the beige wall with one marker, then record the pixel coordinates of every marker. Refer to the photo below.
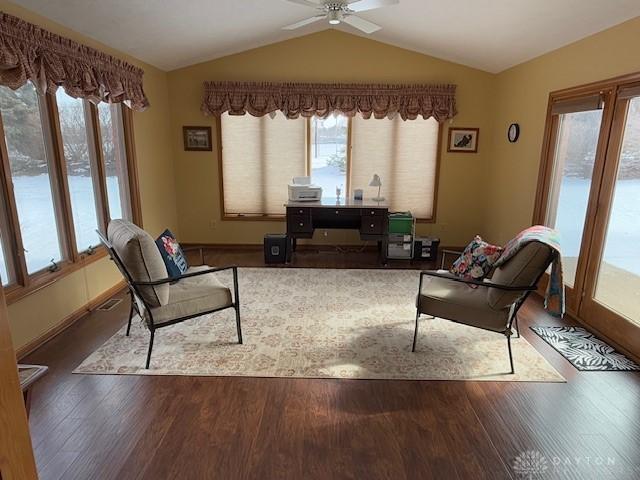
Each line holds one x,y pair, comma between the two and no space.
521,96
329,56
34,315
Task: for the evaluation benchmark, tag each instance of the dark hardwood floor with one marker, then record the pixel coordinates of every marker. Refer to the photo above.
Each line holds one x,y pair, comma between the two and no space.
122,427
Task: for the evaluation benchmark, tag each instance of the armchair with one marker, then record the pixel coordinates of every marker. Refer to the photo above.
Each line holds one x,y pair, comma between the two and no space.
493,305
158,299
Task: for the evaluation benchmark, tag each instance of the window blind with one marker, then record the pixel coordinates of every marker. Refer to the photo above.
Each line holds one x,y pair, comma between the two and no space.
404,154
260,155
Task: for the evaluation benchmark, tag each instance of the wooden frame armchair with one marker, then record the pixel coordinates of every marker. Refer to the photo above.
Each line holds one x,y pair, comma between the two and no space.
160,300
493,304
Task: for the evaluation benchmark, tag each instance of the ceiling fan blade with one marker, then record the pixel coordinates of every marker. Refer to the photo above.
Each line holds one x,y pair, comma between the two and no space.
362,5
307,3
361,24
304,22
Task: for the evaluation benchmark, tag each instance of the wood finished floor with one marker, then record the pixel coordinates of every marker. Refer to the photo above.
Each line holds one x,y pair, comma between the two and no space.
128,427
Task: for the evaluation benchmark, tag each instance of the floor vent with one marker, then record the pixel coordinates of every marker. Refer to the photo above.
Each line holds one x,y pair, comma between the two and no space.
109,304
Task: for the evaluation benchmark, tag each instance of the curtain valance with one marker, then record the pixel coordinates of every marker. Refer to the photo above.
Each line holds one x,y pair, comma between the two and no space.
308,99
28,52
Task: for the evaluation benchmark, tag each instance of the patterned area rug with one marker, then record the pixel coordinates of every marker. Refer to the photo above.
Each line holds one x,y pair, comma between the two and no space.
322,323
583,350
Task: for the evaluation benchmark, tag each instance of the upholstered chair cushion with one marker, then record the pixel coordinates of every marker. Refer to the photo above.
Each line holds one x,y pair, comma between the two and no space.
455,301
192,296
140,256
523,269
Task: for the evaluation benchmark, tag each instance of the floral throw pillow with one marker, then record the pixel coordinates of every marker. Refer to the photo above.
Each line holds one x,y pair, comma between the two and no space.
477,260
172,254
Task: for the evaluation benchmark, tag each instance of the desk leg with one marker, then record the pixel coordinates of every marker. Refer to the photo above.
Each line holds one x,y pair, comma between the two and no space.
382,246
294,244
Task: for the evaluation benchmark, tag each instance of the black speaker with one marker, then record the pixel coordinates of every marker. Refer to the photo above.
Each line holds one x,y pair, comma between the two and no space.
277,248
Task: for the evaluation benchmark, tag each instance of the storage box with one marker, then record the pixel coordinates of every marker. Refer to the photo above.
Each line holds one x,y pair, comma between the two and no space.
401,223
425,248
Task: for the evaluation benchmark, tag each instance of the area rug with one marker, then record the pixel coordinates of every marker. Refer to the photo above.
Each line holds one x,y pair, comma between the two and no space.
583,350
322,323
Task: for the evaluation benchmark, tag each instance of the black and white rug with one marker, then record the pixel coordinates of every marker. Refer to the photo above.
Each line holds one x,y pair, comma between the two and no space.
583,350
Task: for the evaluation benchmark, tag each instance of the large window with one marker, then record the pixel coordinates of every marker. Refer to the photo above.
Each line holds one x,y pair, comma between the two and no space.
261,155
63,175
30,165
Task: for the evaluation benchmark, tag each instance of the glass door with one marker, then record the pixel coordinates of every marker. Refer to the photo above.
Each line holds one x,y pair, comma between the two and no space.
576,147
612,300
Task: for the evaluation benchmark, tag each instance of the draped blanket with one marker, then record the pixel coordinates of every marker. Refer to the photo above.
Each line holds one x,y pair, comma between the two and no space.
28,52
554,296
320,99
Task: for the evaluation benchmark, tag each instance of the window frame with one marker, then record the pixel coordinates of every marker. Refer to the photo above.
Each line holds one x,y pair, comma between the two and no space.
271,218
24,283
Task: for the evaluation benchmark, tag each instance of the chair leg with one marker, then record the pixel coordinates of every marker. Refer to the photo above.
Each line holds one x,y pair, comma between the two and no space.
130,316
515,320
237,303
415,332
150,348
238,326
510,354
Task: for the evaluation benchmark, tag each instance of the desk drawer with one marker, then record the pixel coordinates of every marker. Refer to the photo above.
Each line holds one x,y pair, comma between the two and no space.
303,211
299,224
371,212
373,225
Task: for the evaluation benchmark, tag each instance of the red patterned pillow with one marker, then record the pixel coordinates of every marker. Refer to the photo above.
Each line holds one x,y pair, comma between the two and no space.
477,260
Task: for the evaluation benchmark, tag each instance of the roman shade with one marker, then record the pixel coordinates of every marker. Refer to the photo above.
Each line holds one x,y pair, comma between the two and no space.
28,52
259,158
404,154
309,99
629,92
574,105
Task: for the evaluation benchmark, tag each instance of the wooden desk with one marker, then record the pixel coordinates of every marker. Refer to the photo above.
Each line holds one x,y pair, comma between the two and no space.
370,218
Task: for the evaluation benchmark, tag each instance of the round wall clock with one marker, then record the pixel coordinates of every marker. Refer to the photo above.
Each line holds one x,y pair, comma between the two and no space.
513,133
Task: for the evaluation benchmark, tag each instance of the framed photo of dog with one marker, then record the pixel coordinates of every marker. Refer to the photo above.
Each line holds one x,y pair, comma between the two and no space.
463,140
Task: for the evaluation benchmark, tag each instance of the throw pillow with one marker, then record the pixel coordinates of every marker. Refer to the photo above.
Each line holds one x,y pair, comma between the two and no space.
172,254
477,260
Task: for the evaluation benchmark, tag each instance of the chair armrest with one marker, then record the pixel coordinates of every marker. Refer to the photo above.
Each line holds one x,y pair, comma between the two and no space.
487,284
186,275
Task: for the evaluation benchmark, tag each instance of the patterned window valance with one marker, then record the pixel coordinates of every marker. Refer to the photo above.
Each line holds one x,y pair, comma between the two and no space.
28,52
308,99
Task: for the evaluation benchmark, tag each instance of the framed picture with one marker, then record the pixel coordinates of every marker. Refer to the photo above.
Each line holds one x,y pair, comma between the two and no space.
197,139
463,140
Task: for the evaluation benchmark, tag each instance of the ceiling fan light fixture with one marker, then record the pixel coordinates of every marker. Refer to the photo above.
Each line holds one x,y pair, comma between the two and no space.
335,17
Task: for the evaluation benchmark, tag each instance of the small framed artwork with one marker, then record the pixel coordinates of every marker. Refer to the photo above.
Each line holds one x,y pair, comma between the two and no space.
197,139
464,140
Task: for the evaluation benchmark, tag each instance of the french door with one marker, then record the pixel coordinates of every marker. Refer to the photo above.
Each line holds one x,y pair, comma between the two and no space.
590,192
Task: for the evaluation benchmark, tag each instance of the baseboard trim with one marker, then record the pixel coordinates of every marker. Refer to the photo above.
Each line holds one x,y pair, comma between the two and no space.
69,320
300,246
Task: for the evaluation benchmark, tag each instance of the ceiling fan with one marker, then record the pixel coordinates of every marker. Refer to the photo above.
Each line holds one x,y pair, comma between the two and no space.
337,11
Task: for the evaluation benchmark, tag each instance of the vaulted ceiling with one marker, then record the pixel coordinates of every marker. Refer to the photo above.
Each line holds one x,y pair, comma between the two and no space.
491,35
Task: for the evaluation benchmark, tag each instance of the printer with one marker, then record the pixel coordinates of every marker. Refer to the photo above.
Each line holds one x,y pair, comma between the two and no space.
302,190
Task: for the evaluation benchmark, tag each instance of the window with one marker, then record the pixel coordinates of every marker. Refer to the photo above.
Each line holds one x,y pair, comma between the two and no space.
115,160
260,155
404,154
53,190
31,175
329,153
80,171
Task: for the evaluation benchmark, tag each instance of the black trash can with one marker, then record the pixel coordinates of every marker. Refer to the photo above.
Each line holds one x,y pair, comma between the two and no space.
277,248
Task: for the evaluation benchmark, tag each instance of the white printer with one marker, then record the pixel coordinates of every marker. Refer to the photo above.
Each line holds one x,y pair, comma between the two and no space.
302,190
